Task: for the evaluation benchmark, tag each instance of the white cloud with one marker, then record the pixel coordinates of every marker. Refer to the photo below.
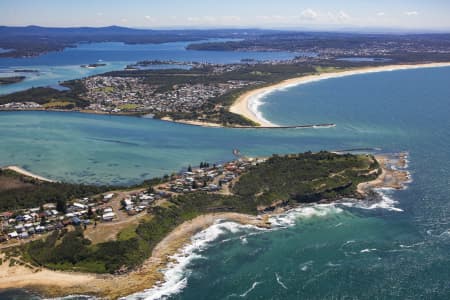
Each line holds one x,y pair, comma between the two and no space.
124,20
381,13
336,17
99,14
309,14
343,16
411,13
151,19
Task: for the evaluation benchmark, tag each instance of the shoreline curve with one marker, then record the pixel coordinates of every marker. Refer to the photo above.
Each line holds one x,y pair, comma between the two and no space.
22,171
248,103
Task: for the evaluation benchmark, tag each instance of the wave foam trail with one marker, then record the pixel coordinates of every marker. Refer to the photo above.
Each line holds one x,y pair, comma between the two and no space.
280,282
368,250
384,202
176,274
289,218
250,289
305,266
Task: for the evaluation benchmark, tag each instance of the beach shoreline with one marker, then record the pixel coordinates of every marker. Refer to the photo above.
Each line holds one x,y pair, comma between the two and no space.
247,104
22,171
57,283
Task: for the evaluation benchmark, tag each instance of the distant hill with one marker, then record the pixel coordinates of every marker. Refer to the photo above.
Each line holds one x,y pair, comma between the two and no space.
36,40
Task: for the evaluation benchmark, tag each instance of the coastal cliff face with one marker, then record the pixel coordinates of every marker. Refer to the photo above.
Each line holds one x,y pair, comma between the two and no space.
262,186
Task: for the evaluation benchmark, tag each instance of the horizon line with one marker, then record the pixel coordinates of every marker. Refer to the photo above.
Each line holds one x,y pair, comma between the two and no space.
324,28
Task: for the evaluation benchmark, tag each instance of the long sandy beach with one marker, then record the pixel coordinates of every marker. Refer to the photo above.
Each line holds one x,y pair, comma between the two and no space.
248,103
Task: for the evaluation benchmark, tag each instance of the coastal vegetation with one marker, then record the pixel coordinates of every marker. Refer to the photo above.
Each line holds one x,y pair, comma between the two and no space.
278,181
46,95
19,191
11,79
35,40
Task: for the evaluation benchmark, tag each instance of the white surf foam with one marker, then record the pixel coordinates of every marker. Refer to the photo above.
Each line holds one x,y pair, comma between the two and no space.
412,245
254,104
385,202
305,266
280,282
243,240
177,272
289,218
368,250
254,285
330,264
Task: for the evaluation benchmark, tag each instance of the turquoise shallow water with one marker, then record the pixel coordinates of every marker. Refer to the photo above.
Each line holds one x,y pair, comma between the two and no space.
334,252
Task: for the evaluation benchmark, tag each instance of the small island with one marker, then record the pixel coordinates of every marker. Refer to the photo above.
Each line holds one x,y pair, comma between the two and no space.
26,71
114,240
93,66
11,79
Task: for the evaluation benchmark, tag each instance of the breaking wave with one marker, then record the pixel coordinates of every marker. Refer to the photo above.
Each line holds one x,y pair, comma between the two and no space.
177,272
384,201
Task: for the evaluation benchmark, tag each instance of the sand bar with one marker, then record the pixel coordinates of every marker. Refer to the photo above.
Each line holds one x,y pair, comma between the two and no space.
22,171
247,104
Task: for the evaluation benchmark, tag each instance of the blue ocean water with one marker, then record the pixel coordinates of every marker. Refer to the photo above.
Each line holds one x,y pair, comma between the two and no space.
54,67
315,252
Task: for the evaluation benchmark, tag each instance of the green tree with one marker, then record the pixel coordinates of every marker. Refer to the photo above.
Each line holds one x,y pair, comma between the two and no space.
61,206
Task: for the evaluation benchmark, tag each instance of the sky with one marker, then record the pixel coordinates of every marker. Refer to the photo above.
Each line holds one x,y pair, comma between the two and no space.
318,14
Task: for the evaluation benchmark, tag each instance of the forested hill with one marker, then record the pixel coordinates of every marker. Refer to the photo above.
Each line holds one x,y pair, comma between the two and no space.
36,40
285,180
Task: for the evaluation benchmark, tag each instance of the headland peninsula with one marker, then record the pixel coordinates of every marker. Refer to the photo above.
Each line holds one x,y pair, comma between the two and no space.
114,241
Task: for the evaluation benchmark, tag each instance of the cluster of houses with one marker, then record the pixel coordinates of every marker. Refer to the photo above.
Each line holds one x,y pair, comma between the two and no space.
139,202
26,223
125,94
20,106
208,178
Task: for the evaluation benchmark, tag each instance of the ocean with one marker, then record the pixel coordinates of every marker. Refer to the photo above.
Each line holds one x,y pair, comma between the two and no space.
397,249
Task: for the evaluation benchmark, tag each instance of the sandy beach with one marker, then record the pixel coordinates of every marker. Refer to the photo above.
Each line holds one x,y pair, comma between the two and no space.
22,171
54,283
192,122
247,104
